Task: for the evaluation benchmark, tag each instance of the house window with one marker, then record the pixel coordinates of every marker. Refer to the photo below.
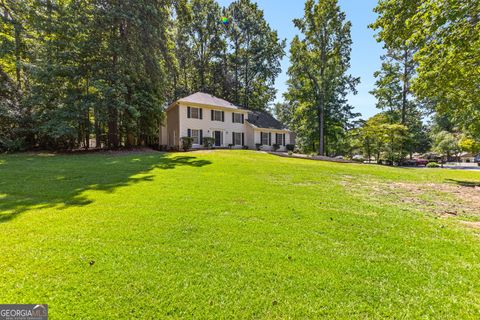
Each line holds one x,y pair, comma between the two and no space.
194,113
237,138
217,115
195,136
264,138
279,139
237,117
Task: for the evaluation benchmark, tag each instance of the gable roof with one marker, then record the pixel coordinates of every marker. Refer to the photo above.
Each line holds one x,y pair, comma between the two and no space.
209,100
263,119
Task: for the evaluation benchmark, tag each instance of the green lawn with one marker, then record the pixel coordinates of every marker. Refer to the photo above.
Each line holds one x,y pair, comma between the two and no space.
230,234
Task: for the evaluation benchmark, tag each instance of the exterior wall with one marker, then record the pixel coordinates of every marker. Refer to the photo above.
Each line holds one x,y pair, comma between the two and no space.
250,137
208,126
258,139
178,123
163,135
173,127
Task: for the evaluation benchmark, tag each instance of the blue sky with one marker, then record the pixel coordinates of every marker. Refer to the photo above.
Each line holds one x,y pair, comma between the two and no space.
366,51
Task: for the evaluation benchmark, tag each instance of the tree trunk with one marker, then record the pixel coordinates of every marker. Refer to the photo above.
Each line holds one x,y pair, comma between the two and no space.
321,129
113,127
236,70
202,65
247,66
405,87
87,116
98,142
113,140
18,62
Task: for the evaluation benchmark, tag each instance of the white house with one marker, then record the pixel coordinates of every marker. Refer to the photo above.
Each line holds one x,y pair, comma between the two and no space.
203,115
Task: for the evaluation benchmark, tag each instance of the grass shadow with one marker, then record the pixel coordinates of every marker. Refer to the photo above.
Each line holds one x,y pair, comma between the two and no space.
36,181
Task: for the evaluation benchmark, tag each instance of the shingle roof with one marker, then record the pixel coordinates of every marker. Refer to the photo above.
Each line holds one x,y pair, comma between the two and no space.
208,99
263,119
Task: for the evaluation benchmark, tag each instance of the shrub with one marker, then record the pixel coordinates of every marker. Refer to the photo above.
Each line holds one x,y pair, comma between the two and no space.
290,147
276,146
258,146
290,152
433,165
230,145
11,145
208,142
245,147
187,143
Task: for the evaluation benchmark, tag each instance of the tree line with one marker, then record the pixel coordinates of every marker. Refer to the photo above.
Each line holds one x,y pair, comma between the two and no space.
73,71
430,70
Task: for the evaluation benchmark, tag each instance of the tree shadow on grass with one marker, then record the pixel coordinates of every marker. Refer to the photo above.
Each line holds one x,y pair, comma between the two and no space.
45,181
470,184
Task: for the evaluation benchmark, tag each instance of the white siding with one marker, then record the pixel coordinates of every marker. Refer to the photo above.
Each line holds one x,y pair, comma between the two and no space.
208,126
257,139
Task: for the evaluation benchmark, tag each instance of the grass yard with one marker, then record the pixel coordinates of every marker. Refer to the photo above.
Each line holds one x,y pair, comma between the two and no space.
237,235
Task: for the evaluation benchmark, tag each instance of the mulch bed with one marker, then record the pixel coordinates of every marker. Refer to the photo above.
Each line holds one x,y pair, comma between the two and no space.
304,156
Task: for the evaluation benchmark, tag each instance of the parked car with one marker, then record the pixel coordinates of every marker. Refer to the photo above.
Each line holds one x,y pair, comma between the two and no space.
421,162
358,157
414,162
409,162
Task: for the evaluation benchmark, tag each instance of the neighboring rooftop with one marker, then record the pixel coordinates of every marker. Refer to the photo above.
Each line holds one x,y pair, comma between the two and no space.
209,100
263,119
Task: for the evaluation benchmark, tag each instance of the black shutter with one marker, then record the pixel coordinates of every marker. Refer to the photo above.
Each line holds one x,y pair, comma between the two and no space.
189,132
201,135
243,138
284,140
243,118
269,138
188,112
233,117
276,138
201,113
223,116
212,115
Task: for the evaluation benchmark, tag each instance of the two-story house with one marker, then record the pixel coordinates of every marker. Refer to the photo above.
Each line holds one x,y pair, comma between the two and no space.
203,115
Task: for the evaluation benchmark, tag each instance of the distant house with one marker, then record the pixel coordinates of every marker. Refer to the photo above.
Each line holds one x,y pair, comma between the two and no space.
466,157
202,115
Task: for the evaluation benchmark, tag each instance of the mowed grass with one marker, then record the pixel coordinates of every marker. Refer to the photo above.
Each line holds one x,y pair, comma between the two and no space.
227,235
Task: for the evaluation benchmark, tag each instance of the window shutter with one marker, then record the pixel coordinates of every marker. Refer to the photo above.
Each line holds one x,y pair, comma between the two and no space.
284,140
243,138
223,116
233,117
201,113
269,138
243,118
201,135
189,132
276,138
212,115
188,112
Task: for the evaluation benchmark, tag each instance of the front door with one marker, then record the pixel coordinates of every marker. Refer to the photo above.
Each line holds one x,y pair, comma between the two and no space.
218,138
